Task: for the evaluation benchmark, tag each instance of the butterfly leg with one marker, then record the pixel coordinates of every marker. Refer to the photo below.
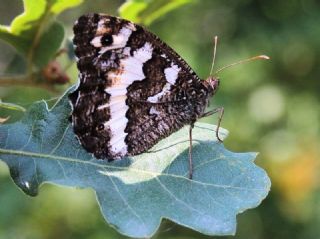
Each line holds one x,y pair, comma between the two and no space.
190,151
219,110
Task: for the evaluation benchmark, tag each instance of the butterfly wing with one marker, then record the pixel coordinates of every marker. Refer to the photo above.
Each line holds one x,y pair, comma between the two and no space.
134,89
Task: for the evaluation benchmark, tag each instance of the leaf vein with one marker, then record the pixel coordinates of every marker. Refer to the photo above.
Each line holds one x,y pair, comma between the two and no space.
35,171
29,138
176,198
7,139
60,141
62,168
127,203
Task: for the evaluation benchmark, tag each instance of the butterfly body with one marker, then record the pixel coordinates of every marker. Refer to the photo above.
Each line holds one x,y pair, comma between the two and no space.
134,90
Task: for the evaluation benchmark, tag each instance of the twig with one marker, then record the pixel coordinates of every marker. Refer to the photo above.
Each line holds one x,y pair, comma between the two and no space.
24,81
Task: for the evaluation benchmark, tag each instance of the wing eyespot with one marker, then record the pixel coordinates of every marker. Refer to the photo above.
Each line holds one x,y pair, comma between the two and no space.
100,127
106,40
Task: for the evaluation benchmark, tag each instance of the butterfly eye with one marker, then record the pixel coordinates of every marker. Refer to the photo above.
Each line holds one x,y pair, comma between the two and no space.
100,127
106,40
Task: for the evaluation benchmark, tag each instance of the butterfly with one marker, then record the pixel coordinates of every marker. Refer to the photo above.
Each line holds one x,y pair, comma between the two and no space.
134,89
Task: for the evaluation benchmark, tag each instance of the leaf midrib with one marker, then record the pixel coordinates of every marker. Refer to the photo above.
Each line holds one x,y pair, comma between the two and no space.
155,174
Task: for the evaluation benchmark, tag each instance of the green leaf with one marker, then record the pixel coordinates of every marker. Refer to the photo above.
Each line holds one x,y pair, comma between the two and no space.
51,37
146,11
136,193
58,6
31,31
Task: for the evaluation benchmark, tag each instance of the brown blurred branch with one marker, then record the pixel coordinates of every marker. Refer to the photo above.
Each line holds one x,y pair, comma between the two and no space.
24,80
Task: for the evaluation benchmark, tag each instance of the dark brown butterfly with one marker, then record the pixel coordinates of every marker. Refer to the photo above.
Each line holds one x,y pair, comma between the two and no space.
134,89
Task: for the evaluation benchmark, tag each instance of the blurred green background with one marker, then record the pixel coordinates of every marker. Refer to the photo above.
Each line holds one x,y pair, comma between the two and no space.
270,106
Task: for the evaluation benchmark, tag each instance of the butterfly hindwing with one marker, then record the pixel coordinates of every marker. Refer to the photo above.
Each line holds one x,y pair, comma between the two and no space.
134,90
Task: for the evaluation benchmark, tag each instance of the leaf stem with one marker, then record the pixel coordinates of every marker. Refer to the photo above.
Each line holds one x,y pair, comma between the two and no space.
11,106
36,40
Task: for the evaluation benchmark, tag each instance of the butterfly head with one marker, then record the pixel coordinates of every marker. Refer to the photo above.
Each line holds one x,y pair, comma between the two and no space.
212,83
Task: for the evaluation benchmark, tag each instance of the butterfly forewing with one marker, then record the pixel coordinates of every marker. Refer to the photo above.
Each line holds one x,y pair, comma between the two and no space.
134,90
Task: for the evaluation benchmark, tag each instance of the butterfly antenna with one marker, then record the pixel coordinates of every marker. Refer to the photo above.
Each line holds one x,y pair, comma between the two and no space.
261,57
214,53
